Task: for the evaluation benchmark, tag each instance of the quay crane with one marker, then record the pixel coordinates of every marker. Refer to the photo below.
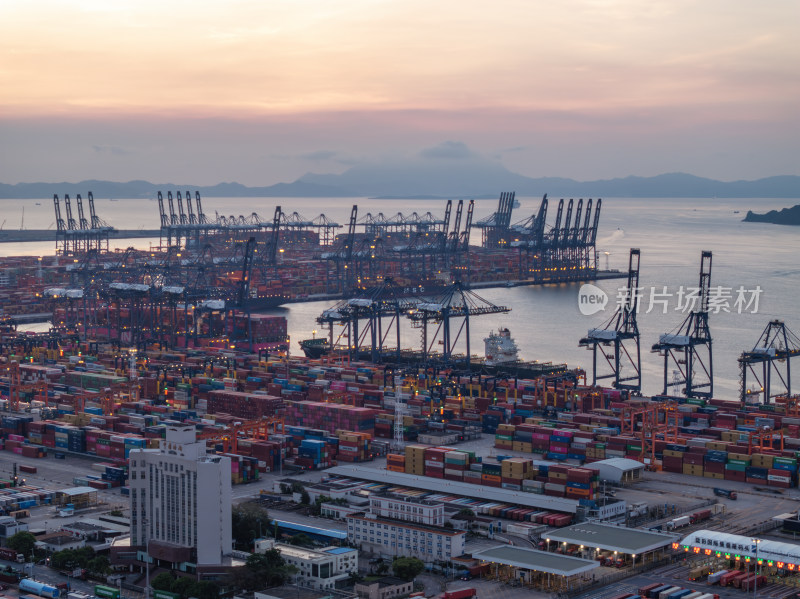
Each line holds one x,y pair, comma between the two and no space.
622,332
773,351
689,348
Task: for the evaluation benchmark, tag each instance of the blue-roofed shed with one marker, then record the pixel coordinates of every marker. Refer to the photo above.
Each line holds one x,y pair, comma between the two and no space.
315,532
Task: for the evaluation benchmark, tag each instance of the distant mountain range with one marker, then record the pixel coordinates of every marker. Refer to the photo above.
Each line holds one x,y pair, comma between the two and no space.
787,216
480,179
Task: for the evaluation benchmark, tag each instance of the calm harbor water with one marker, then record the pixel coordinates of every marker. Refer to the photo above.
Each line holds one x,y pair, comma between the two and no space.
545,321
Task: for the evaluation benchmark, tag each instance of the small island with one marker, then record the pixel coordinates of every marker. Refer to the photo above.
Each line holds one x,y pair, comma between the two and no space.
787,216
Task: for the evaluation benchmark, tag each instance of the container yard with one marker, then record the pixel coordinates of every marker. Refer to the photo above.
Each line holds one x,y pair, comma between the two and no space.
532,451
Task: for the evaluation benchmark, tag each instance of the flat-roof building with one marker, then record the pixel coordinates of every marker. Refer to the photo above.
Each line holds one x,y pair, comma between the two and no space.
392,538
547,571
319,569
180,498
619,470
593,536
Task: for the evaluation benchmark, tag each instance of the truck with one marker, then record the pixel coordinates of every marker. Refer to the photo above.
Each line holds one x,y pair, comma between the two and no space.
736,581
753,582
725,493
714,577
10,575
698,572
104,592
679,522
668,591
656,592
11,555
459,594
66,511
645,590
700,516
42,589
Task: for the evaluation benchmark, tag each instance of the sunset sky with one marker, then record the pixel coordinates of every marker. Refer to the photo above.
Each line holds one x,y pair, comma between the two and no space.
264,91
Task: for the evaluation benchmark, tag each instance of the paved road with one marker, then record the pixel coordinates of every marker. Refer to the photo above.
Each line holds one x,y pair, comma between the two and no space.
677,574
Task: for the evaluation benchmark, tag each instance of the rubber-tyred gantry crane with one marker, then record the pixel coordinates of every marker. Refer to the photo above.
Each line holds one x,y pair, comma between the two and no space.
650,422
251,429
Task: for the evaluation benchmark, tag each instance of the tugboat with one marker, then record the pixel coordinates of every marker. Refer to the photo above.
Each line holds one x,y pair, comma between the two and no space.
500,348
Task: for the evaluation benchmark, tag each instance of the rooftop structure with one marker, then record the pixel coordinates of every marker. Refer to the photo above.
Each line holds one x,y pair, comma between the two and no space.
612,538
540,561
531,500
619,469
738,546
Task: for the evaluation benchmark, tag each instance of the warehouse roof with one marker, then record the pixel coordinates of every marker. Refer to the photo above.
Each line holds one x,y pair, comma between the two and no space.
323,532
612,538
624,464
77,491
540,561
521,498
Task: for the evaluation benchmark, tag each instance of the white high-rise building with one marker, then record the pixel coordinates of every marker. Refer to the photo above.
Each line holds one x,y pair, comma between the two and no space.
181,501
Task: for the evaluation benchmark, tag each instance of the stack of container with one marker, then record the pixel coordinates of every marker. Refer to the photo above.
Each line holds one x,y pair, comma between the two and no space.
581,483
415,459
514,471
247,406
395,462
491,474
243,469
330,417
504,437
353,447
456,463
313,454
268,452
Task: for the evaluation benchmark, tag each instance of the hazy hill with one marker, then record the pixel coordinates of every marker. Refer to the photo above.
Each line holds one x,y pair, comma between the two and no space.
450,170
787,216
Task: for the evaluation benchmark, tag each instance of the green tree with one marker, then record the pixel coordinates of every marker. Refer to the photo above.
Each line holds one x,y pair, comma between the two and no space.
22,542
316,509
465,512
261,570
305,498
382,568
162,582
248,522
204,589
62,559
407,568
99,564
182,586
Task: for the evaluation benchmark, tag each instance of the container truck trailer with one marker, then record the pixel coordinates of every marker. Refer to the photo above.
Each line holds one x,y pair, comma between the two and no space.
28,585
